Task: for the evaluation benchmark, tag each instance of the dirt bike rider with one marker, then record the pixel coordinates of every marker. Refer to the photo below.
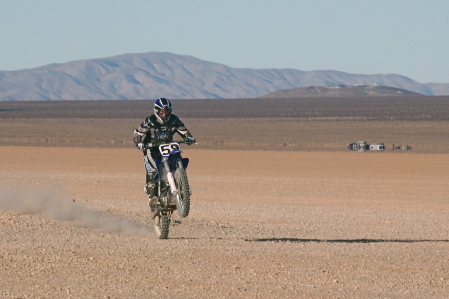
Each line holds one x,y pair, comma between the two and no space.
158,128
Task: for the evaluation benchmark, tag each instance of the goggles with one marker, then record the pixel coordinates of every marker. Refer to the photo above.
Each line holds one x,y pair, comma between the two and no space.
163,112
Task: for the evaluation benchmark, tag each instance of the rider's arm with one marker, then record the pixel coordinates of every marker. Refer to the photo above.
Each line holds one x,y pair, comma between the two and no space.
140,134
182,130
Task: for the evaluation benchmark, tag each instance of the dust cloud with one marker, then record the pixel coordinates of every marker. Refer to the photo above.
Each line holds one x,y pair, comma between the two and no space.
57,207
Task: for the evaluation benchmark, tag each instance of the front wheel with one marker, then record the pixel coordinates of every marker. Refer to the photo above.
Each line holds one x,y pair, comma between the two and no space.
183,196
161,225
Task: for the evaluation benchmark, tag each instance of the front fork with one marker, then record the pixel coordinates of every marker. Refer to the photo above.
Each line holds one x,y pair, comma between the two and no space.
171,179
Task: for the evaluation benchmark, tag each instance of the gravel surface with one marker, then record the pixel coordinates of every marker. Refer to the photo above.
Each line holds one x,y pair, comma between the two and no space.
74,223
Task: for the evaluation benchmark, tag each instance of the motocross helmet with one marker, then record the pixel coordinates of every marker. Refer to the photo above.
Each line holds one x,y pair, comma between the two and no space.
162,110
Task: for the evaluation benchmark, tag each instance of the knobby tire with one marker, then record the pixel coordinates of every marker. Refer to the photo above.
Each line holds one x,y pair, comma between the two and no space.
183,197
161,225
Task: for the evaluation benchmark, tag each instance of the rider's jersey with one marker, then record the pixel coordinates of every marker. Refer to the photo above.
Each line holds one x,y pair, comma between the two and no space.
151,131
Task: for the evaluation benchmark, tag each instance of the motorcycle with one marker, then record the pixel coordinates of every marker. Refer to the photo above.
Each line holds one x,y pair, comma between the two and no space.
172,185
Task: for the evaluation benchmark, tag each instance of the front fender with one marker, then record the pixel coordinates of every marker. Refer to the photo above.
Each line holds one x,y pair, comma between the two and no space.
185,163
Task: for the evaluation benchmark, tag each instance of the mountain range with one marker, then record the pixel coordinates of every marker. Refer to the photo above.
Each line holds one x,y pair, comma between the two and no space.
340,91
159,74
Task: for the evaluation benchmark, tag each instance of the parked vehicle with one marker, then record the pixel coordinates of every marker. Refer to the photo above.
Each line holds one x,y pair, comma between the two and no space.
352,146
362,146
377,147
401,147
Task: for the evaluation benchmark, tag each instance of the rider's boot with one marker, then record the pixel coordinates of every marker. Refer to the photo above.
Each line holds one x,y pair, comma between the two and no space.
151,190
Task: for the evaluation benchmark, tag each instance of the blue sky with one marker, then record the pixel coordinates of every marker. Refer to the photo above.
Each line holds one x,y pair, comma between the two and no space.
406,37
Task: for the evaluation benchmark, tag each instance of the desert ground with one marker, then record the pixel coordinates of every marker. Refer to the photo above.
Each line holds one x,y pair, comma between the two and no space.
280,208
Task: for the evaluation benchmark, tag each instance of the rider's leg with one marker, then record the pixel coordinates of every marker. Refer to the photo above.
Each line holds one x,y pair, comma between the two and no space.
151,182
151,189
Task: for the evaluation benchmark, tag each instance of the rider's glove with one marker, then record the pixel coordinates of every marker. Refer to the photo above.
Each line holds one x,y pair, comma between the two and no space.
141,146
190,140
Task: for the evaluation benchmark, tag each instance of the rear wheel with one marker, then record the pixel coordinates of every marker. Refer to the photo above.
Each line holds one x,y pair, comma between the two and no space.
161,225
183,196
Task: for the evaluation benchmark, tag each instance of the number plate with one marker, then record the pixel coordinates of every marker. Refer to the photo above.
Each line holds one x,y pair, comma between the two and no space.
166,149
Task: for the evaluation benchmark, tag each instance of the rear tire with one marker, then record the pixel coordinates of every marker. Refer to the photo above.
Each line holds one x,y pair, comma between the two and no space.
183,197
161,225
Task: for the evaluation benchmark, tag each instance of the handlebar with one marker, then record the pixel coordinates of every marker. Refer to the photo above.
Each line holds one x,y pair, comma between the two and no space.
186,142
156,144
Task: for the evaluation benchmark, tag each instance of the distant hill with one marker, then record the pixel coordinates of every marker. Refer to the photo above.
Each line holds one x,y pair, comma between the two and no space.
439,89
152,75
341,91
